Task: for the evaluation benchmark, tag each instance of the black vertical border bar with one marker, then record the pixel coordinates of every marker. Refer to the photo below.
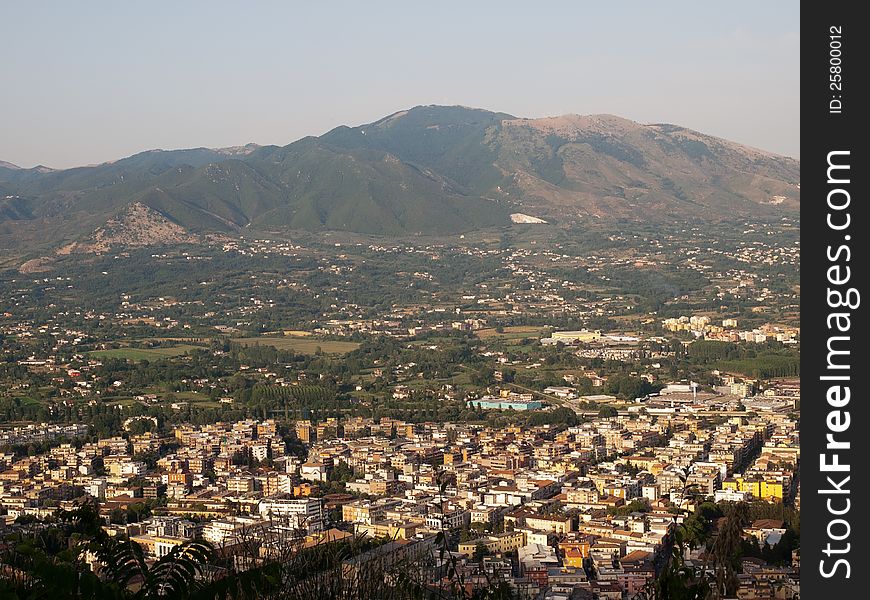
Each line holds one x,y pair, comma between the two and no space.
823,131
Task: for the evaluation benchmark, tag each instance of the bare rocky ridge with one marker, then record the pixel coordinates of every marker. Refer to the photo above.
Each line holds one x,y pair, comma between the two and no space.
606,166
137,227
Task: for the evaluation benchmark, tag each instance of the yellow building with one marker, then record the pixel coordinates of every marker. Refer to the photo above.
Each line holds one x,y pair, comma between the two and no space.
303,489
576,549
498,543
772,490
393,530
569,337
158,546
362,511
556,524
763,489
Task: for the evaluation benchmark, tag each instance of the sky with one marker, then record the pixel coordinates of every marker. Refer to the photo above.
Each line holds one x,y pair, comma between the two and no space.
88,82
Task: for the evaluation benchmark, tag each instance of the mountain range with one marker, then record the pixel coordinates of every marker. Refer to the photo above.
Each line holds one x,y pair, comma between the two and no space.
431,170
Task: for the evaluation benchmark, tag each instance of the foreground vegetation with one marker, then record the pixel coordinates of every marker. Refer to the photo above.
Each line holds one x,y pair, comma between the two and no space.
70,556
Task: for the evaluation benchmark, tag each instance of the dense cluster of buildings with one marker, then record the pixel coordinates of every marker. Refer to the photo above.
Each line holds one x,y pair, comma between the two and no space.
548,508
702,326
555,511
35,433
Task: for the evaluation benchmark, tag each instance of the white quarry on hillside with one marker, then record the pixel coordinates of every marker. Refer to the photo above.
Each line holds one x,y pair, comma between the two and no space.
521,218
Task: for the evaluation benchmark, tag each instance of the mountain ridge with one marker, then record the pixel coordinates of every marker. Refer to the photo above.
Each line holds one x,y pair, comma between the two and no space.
254,146
431,170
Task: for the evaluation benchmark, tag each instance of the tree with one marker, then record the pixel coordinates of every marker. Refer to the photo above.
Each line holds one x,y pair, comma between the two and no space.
627,387
117,516
51,563
607,412
480,550
140,426
342,472
482,377
452,435
465,535
173,575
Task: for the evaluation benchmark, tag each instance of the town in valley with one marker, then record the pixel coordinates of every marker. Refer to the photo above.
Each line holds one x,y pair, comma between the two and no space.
536,408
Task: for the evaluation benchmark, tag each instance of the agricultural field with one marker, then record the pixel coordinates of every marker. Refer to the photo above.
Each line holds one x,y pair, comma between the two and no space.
143,353
507,333
302,345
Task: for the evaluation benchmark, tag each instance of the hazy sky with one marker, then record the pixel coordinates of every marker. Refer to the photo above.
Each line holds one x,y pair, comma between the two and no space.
86,82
